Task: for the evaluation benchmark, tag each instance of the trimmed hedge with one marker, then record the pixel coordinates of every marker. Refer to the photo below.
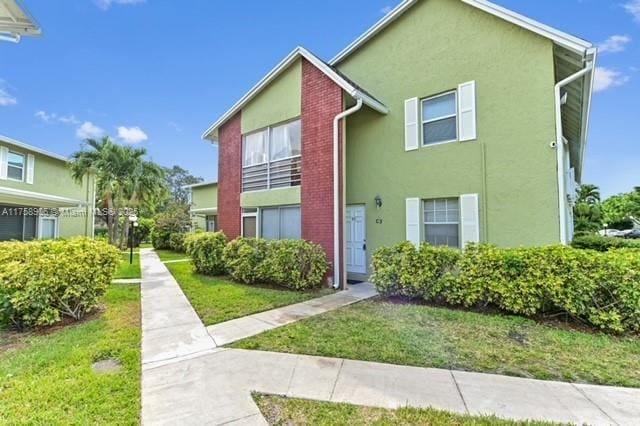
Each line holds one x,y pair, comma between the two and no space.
176,241
600,243
295,264
43,281
599,289
160,239
243,258
205,250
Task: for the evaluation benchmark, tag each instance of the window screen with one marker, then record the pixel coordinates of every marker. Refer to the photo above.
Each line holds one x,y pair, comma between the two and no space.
442,222
439,119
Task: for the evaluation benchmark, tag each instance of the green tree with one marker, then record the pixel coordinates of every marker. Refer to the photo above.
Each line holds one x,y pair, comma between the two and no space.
177,178
620,210
124,180
587,212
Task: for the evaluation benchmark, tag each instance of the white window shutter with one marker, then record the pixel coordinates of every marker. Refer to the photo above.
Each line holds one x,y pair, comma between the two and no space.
413,220
31,163
411,128
469,213
467,111
4,162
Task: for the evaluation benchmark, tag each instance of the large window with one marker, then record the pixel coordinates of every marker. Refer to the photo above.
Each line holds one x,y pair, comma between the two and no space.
439,119
15,169
271,157
442,222
281,223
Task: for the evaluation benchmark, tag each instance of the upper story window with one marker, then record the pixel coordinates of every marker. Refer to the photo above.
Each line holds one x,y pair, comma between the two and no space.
15,166
442,222
271,157
440,119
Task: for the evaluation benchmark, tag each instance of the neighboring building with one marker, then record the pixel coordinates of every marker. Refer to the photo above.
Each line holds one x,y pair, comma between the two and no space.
38,197
466,123
203,198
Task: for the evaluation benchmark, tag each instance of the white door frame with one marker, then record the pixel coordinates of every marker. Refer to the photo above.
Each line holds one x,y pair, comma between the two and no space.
363,208
56,230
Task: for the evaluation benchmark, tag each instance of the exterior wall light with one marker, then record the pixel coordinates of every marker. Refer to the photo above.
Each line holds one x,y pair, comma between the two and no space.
378,201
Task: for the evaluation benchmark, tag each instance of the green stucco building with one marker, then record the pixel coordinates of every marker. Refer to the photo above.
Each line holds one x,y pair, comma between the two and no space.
38,197
449,121
203,199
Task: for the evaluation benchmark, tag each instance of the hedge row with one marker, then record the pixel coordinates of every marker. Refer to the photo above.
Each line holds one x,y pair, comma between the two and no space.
600,243
43,281
295,264
168,240
599,289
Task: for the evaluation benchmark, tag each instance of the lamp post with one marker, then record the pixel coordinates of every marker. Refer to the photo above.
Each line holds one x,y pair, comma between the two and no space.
133,223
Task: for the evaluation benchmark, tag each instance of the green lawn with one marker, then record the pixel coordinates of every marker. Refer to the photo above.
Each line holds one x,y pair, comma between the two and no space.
165,255
285,411
126,270
435,337
48,379
217,299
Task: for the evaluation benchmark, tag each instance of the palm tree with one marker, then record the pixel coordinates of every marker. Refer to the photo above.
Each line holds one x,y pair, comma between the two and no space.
589,194
124,179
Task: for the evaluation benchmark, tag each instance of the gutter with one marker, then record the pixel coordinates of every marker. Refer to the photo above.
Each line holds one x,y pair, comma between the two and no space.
336,192
562,200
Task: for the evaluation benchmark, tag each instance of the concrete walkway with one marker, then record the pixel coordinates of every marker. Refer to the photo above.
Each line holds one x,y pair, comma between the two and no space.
186,379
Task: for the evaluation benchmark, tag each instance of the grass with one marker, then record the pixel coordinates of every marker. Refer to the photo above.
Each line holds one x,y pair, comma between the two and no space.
48,378
165,255
126,270
216,299
285,411
435,337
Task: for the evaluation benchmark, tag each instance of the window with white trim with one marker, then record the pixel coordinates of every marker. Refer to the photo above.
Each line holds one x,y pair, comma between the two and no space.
249,223
281,223
440,119
15,166
442,222
271,158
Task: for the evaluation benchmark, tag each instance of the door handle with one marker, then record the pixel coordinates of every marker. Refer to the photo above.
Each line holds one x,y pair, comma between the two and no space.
364,246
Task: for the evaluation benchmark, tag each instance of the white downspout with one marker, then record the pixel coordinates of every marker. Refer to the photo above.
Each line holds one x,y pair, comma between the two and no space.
336,191
562,200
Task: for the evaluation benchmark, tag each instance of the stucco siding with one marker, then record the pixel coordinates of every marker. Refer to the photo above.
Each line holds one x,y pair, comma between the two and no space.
205,197
273,197
278,102
432,48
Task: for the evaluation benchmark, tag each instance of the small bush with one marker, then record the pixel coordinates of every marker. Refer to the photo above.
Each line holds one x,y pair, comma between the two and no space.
600,289
243,258
176,241
600,243
295,264
206,252
161,239
43,281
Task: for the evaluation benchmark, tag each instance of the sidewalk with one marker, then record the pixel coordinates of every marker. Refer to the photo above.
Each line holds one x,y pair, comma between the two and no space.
187,380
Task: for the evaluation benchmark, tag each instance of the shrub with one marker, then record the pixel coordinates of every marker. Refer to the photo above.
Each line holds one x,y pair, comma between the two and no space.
206,250
600,289
405,270
600,243
160,239
176,241
142,232
296,264
43,281
175,218
243,259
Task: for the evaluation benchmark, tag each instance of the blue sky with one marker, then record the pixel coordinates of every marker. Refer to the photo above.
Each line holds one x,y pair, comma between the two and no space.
157,72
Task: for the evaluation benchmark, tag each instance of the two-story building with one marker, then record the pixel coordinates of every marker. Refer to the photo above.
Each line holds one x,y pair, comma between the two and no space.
203,199
449,121
39,199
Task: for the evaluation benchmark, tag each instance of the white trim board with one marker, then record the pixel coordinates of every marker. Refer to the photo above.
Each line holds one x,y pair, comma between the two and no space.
561,38
299,52
40,196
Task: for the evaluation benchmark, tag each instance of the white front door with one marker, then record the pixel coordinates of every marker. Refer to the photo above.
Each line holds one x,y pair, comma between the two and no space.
356,240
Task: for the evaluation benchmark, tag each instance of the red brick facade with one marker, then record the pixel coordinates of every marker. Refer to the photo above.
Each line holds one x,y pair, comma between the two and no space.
321,102
230,176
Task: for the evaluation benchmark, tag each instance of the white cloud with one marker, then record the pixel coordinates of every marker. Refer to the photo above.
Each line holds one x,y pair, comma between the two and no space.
386,9
607,78
614,44
7,99
633,8
88,130
132,134
106,4
50,117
